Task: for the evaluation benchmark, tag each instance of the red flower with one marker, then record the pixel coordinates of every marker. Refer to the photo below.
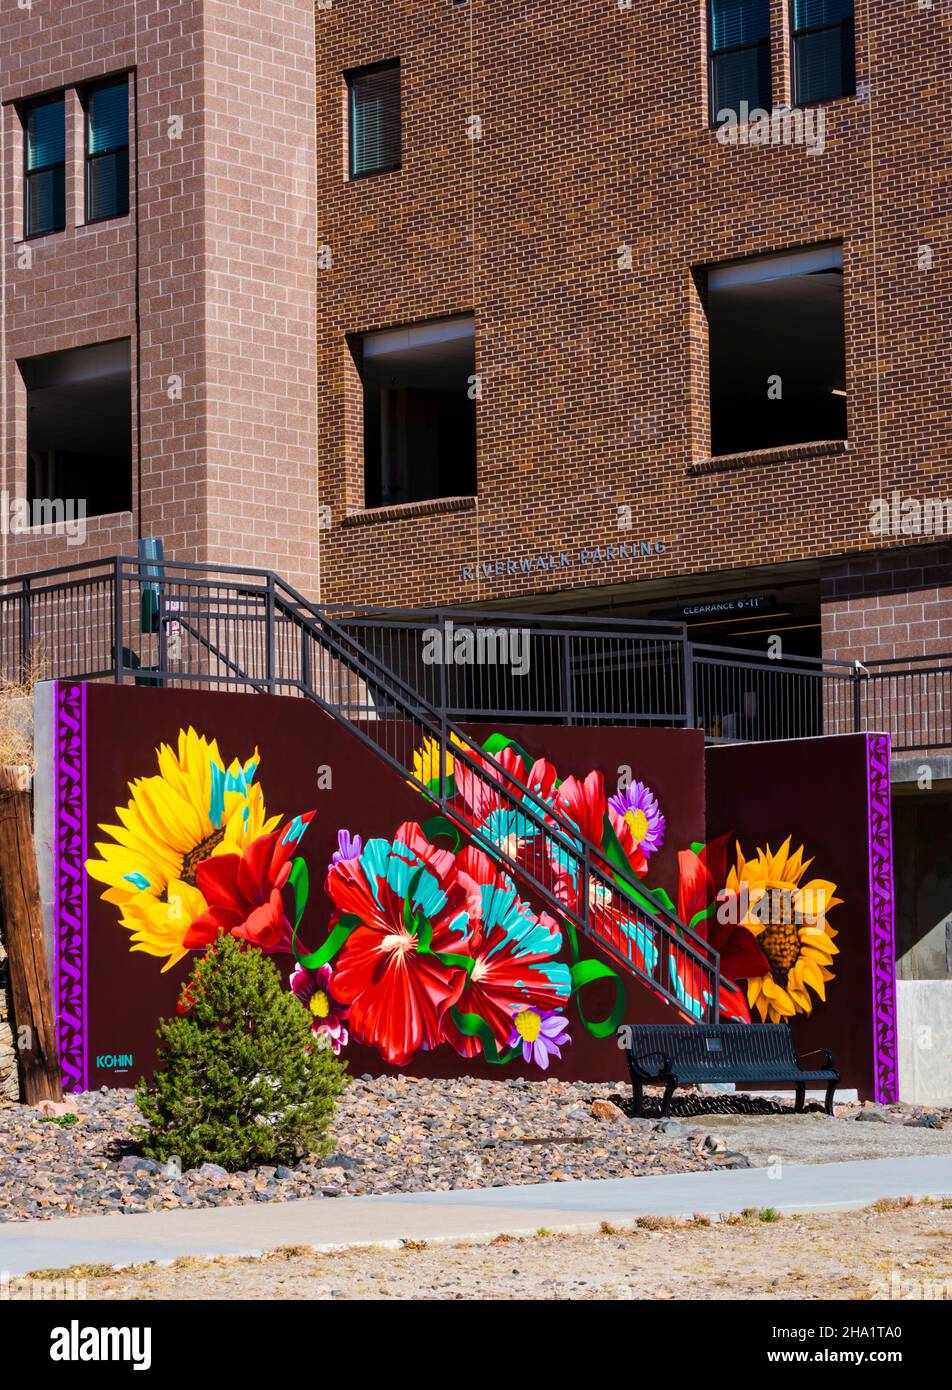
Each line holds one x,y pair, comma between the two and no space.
482,799
398,993
514,951
244,891
585,805
702,876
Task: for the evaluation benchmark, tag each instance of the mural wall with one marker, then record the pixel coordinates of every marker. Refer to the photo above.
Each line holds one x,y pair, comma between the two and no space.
184,813
837,986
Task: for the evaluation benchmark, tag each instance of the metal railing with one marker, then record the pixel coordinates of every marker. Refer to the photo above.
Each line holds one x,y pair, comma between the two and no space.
182,625
629,671
224,627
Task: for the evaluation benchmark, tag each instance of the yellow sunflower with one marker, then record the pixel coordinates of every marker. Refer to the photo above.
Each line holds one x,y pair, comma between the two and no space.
788,917
426,762
195,808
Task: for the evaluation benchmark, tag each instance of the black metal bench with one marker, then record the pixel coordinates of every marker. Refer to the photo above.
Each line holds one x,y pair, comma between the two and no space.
681,1053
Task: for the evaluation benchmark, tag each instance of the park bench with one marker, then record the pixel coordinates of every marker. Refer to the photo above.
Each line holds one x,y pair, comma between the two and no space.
682,1053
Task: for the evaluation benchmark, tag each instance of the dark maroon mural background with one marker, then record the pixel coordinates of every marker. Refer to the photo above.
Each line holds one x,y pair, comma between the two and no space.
815,790
296,740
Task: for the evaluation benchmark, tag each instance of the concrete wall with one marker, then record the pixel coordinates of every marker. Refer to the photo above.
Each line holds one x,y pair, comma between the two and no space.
922,847
925,1041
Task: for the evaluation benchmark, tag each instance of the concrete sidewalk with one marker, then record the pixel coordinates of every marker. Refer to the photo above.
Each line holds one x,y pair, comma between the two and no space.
470,1214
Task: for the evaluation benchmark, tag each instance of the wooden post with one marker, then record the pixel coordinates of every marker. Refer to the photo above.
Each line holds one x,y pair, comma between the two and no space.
30,996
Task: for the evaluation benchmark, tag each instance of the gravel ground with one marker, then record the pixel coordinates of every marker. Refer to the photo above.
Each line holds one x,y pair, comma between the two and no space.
394,1134
892,1252
398,1134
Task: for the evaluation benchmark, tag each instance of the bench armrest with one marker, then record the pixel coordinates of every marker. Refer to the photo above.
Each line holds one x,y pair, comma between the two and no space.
815,1053
664,1069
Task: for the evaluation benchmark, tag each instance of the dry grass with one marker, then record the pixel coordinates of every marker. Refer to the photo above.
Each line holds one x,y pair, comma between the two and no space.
16,715
658,1223
893,1204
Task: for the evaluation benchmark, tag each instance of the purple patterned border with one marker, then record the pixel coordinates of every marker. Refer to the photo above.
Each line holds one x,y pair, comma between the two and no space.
70,955
882,919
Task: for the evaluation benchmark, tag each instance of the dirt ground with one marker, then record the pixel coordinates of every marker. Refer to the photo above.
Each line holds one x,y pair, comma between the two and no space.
888,1251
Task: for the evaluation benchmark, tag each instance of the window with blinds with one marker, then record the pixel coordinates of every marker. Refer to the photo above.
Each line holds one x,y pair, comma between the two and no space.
824,50
740,56
375,143
107,149
45,130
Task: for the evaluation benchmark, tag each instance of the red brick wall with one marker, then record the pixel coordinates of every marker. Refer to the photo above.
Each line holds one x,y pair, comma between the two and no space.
594,394
594,379
223,261
895,605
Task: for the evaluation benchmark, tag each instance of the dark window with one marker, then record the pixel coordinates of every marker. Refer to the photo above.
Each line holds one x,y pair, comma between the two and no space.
374,119
419,411
79,427
107,149
45,126
824,57
740,56
777,350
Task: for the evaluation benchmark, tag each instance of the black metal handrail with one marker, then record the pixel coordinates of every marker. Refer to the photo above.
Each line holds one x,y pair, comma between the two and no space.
198,624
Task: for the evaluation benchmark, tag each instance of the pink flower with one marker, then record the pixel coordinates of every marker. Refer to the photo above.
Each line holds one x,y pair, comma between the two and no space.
313,988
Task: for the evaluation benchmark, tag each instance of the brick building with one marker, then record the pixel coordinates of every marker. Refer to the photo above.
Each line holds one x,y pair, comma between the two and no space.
607,244
488,310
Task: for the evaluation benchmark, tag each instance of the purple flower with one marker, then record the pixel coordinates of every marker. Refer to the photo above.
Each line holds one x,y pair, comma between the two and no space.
349,847
539,1034
313,989
638,809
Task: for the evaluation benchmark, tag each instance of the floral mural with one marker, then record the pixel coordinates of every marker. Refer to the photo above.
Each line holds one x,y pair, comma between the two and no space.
429,942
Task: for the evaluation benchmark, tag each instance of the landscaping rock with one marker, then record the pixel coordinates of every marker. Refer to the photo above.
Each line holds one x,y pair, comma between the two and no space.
605,1110
393,1134
55,1109
212,1171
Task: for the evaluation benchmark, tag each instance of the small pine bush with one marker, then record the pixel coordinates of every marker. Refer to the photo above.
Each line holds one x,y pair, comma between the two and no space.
241,1080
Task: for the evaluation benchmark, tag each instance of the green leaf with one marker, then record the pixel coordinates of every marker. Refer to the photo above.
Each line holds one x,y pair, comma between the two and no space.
438,827
586,972
703,915
343,927
300,885
474,1026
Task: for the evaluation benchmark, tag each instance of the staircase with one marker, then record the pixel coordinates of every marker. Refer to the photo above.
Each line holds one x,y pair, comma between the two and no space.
249,630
